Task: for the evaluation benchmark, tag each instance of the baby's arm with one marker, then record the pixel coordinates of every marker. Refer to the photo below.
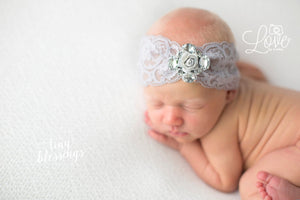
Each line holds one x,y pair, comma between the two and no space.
216,158
221,172
219,165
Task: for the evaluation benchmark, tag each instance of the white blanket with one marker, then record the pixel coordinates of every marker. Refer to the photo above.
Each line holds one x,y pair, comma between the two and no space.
71,109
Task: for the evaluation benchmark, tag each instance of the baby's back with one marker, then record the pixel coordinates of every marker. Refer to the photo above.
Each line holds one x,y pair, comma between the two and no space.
269,118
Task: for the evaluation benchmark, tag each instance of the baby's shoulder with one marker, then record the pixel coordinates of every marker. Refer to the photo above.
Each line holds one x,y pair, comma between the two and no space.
253,91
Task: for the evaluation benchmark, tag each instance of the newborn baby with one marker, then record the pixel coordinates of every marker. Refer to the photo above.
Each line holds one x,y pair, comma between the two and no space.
232,127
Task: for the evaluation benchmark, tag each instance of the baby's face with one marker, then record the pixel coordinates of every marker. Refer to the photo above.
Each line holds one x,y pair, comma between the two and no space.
184,111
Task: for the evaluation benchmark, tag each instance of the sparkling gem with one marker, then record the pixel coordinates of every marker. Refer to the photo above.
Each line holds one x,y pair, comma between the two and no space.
189,47
188,78
189,63
180,72
173,62
204,62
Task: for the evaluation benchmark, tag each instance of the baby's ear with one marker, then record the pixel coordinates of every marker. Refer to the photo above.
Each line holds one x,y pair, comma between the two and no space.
230,95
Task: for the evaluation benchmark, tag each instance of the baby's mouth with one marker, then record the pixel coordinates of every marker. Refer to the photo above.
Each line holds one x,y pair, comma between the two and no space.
178,133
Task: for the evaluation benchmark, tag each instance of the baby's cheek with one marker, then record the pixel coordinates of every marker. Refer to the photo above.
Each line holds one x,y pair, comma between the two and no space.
154,116
193,120
195,123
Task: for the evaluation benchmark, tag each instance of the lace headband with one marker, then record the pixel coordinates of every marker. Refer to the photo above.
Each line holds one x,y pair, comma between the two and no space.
212,65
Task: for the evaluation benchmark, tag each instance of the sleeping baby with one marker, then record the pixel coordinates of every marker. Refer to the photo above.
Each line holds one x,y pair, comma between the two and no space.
232,127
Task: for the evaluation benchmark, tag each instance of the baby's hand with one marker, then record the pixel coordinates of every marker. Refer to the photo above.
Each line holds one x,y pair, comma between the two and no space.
164,139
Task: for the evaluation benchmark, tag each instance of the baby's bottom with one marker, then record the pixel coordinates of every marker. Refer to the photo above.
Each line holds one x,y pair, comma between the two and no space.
276,176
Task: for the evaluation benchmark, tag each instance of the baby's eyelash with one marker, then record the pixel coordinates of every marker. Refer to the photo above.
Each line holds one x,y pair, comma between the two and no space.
192,107
156,104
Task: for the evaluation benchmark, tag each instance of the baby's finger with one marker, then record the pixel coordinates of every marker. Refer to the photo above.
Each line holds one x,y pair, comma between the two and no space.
164,139
157,136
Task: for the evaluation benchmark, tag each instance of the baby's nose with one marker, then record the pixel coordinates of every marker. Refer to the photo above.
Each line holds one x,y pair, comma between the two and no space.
172,117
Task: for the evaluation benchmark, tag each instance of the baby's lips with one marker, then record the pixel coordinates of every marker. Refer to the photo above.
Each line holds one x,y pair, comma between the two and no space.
178,134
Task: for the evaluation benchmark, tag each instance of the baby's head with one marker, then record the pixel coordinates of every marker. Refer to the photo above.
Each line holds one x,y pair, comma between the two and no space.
188,87
191,25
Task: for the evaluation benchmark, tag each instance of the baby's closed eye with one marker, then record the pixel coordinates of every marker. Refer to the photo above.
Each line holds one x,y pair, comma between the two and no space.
155,104
192,107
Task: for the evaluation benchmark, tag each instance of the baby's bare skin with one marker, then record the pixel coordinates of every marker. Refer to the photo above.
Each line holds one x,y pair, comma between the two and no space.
248,138
268,119
268,133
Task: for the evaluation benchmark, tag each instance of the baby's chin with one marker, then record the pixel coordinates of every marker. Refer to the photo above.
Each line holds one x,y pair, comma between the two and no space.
185,139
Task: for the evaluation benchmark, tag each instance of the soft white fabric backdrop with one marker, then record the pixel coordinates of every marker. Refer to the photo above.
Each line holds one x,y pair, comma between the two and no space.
71,111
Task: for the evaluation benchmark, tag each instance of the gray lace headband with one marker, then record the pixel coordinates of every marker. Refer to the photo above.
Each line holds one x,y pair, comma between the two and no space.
164,61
